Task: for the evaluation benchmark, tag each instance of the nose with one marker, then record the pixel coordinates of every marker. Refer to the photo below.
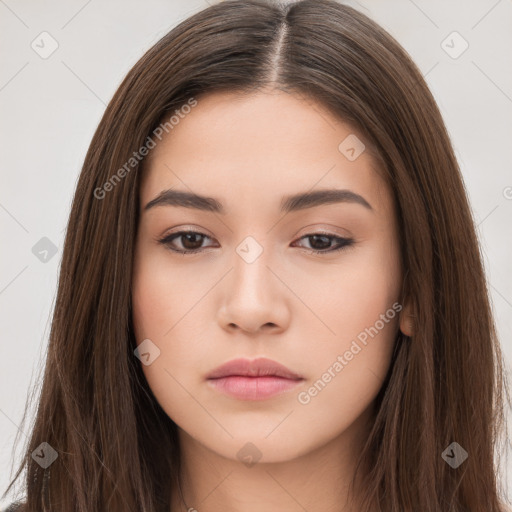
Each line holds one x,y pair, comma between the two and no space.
254,297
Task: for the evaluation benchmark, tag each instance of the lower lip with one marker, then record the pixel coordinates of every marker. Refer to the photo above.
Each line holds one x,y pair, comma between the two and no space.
253,388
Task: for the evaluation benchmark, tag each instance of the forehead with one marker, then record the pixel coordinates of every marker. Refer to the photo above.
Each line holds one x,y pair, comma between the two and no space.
257,148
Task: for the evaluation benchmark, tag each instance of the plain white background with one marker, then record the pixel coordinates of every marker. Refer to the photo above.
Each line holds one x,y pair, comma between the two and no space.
51,106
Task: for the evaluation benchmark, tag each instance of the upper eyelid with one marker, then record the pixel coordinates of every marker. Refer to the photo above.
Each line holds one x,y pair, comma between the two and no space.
177,234
309,233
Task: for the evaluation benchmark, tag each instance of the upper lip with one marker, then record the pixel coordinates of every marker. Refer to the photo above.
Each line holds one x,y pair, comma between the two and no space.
260,367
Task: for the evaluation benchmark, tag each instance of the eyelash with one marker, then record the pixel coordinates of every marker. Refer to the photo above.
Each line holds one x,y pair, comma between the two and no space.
344,242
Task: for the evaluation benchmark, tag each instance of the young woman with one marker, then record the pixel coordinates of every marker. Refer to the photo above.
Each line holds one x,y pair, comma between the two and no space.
271,294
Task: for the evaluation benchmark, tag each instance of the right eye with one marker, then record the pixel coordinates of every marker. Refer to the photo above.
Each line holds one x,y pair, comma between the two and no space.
191,241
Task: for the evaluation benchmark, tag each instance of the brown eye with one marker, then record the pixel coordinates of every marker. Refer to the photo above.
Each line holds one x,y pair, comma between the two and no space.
190,241
321,242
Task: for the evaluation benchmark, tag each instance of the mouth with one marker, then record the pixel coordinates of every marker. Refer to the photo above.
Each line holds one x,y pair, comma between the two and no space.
253,388
253,380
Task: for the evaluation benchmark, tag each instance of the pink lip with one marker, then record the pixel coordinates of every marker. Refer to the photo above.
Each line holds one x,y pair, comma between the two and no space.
261,367
253,380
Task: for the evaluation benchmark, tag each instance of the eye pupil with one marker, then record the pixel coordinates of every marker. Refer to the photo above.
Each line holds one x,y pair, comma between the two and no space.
325,238
186,239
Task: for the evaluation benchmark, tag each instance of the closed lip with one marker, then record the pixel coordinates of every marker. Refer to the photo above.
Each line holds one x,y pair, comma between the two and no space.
261,367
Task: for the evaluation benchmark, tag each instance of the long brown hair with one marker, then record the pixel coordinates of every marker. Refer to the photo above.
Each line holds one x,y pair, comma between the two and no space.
117,449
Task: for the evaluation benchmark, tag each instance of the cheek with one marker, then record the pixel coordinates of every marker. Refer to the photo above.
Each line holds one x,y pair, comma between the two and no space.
163,311
352,294
159,295
362,312
157,307
348,370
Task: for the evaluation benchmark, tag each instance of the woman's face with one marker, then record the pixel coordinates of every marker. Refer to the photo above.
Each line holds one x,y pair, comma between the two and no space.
257,289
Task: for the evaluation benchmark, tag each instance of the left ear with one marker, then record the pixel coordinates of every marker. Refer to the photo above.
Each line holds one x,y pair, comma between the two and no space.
407,325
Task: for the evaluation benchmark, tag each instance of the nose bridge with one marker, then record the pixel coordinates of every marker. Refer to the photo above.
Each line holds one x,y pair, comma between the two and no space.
250,250
253,295
250,265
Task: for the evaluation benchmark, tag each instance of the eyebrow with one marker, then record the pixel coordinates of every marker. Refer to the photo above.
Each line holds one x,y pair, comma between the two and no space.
290,203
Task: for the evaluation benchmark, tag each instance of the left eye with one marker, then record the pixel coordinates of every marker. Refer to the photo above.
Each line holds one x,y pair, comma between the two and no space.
326,239
191,242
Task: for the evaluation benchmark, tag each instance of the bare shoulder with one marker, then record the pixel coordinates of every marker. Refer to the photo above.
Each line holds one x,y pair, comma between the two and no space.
506,508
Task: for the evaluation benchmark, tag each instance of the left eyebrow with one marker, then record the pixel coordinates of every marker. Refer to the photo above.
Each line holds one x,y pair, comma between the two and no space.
321,197
290,203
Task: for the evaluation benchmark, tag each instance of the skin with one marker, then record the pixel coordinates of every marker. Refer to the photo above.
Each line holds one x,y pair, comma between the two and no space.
300,309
